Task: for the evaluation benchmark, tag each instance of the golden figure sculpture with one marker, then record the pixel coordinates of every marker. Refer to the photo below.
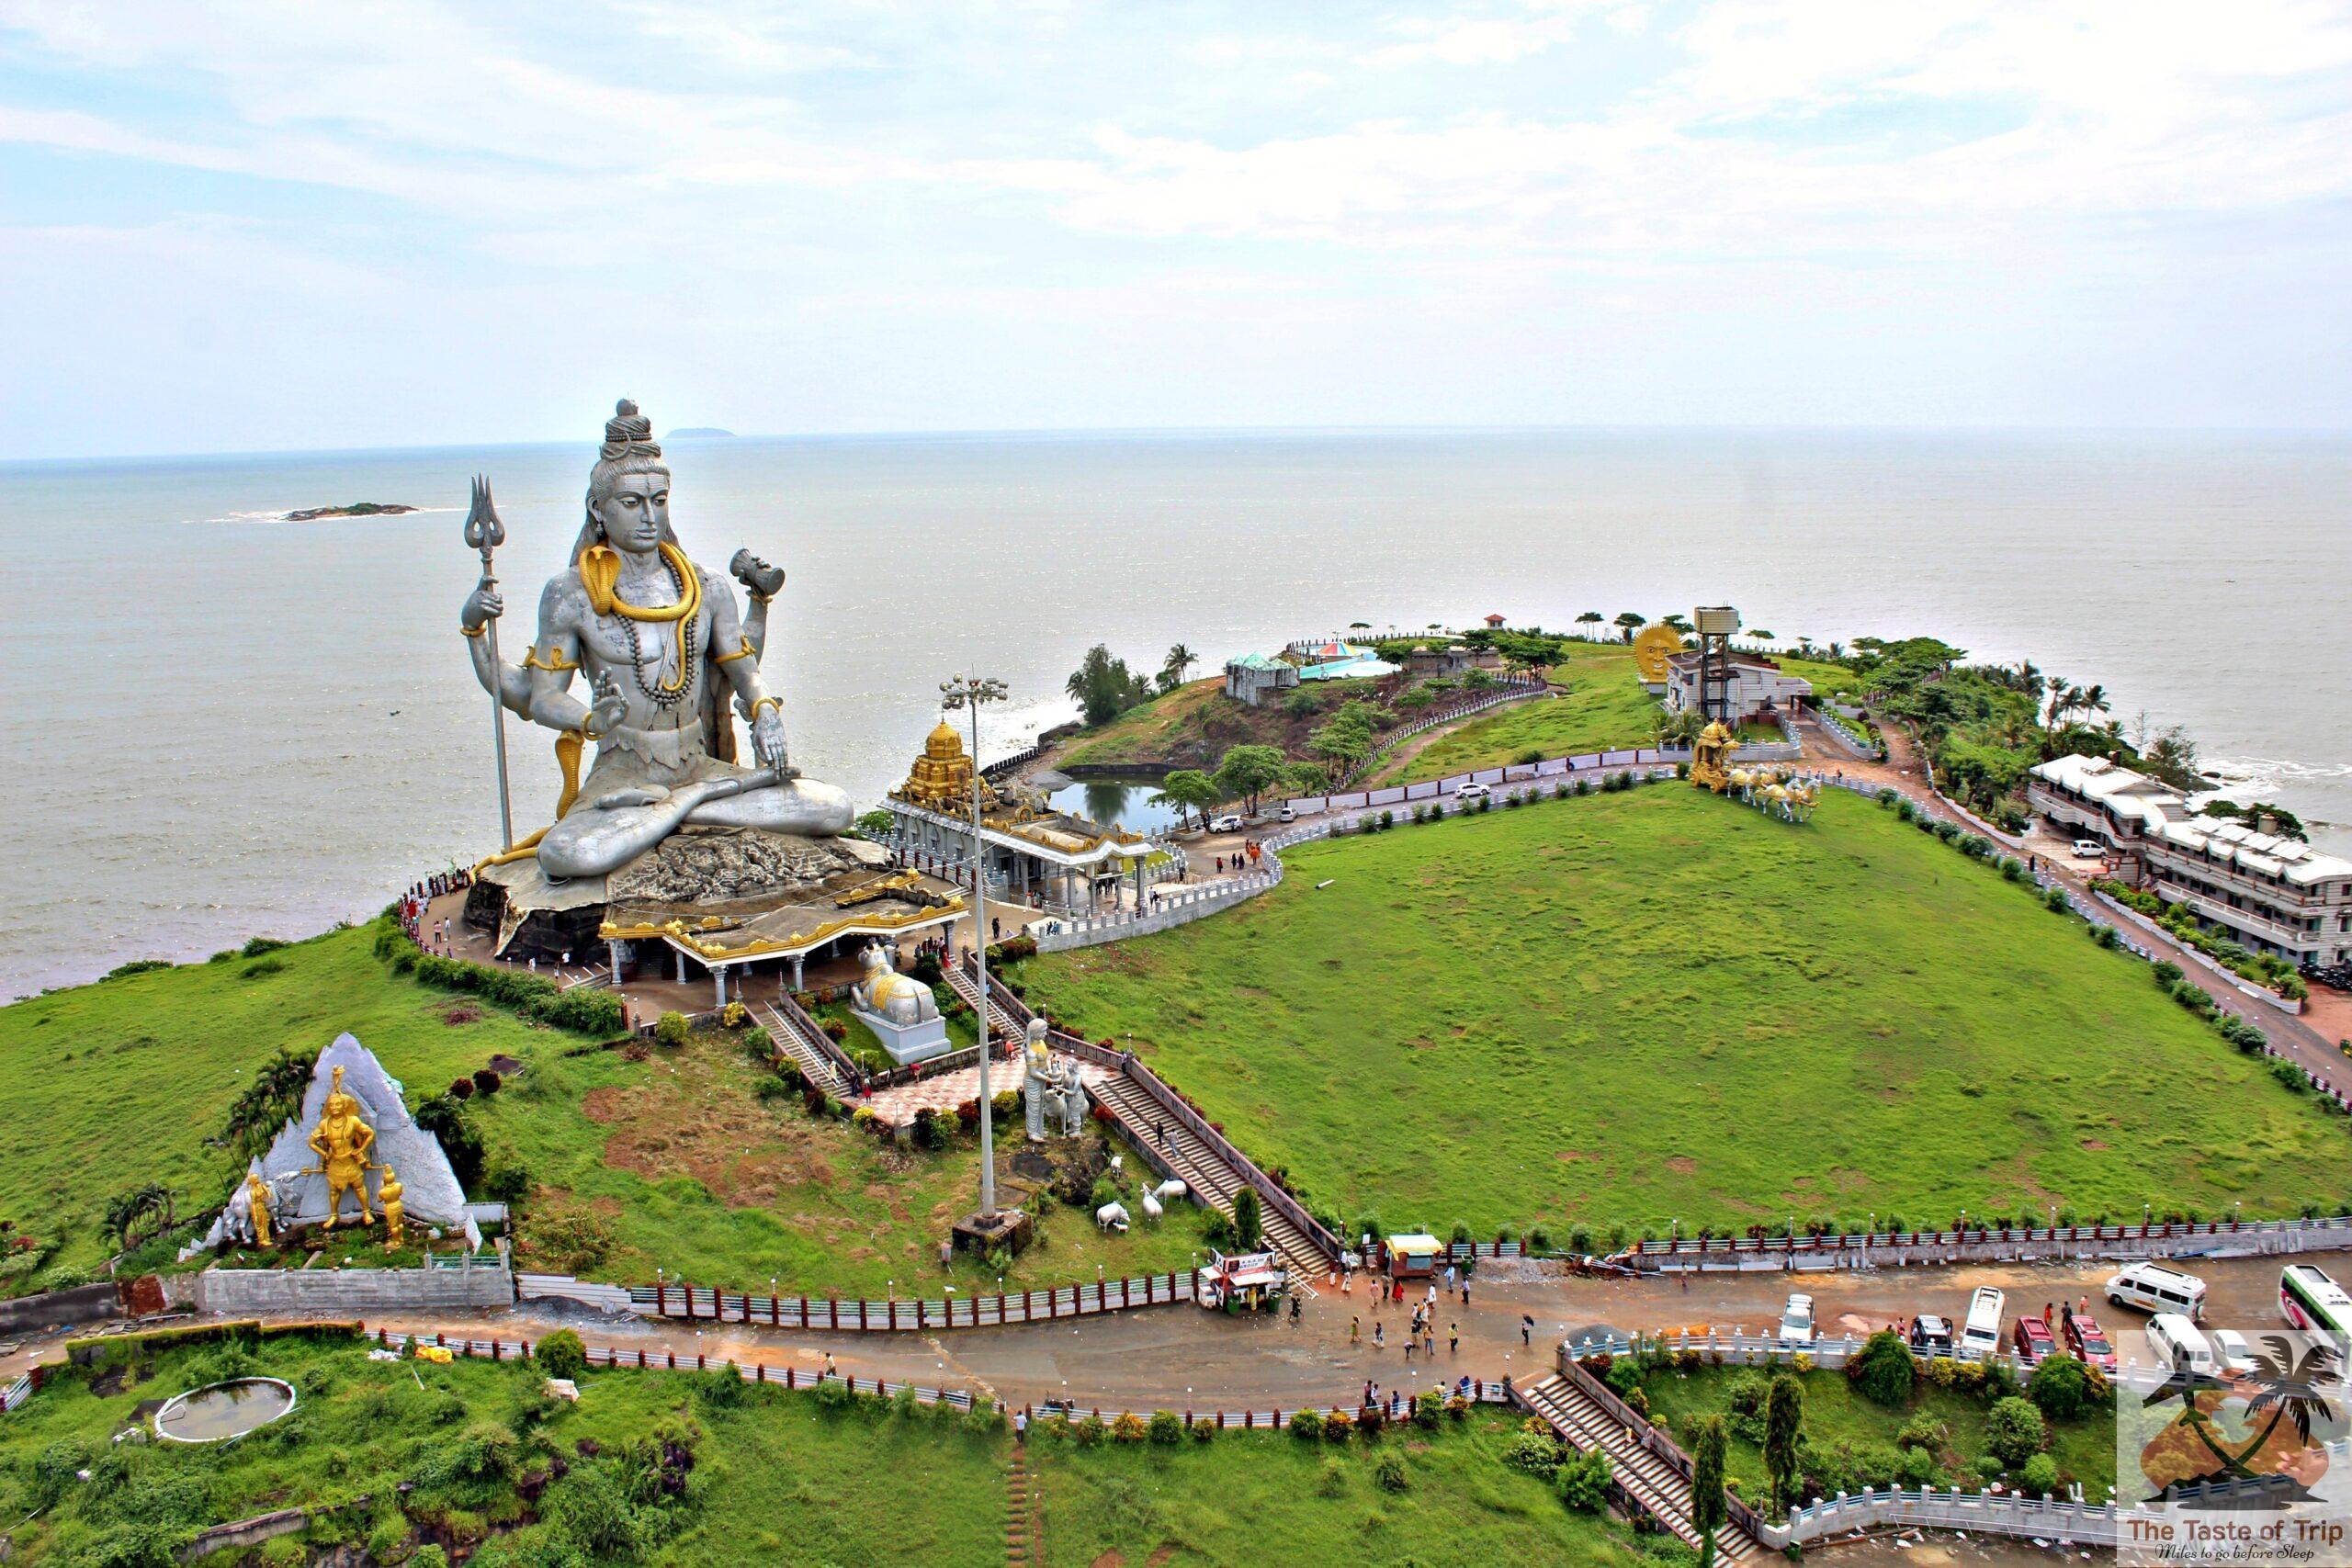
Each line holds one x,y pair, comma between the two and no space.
387,1193
257,1205
1708,755
342,1142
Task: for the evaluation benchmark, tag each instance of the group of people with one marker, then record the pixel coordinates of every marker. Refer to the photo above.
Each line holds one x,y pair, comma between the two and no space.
1396,1403
418,897
1246,858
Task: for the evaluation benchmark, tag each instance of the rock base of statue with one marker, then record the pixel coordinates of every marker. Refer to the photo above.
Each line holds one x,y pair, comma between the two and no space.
1010,1229
744,876
918,1041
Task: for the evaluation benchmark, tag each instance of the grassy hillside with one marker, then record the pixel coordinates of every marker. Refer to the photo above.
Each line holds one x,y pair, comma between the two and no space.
1659,1005
1602,708
123,1082
768,1475
1240,1501
672,1160
1197,724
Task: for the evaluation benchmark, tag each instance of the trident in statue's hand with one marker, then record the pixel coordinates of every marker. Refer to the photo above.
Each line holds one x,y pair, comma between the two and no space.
485,532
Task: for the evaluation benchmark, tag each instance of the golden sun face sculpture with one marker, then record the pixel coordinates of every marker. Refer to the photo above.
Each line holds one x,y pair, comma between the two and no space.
1652,647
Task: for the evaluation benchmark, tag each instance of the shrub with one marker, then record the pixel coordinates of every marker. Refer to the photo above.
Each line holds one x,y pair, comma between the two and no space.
670,1029
1533,1454
1307,1424
1389,1474
461,1089
1166,1426
2059,1388
2291,1076
2014,1431
1883,1371
2040,1474
487,1082
560,1354
1337,1426
1583,1480
2166,973
507,1181
2054,898
1129,1428
1922,1431
1428,1407
1089,1432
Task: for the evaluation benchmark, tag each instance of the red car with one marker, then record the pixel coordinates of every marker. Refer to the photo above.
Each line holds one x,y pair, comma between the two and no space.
2033,1341
2088,1342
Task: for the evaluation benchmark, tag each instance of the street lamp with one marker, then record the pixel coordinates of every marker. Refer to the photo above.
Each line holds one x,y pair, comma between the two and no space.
967,693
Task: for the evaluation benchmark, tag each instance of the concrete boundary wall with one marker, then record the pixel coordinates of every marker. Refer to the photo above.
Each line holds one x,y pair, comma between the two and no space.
354,1290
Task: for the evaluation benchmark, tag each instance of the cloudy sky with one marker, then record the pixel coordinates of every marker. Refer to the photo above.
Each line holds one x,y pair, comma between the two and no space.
260,224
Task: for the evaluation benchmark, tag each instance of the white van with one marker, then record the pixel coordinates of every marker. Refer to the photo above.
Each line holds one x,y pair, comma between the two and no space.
1980,1338
2177,1344
2152,1287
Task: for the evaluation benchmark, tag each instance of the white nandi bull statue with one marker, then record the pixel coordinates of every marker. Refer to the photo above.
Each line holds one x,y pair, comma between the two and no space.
884,992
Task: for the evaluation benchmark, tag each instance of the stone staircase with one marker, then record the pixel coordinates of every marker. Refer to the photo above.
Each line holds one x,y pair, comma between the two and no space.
1645,1477
814,1065
1024,1525
1000,1023
1207,1174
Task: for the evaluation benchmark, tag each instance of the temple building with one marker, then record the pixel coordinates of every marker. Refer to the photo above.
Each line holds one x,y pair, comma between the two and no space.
1033,854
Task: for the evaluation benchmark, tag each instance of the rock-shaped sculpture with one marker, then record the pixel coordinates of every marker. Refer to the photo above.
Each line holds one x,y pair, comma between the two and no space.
296,1170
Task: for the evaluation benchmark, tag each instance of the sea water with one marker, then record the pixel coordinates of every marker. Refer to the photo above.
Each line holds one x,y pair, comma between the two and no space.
220,724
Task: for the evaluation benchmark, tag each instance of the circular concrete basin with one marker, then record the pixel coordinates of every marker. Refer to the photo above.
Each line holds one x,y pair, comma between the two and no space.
218,1412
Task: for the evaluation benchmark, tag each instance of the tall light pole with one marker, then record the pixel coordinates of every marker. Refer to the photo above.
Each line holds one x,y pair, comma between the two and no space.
969,693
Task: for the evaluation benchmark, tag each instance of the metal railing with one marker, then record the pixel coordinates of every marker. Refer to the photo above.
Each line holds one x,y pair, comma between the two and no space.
706,1303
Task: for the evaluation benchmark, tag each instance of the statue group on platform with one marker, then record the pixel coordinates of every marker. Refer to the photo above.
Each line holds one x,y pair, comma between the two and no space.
1055,1098
883,991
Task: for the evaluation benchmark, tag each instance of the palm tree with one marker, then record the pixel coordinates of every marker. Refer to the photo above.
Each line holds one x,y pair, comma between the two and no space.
1628,622
1590,618
1173,667
126,1211
2094,699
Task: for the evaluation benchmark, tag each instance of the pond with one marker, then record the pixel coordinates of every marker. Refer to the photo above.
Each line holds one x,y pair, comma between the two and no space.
220,1411
1122,803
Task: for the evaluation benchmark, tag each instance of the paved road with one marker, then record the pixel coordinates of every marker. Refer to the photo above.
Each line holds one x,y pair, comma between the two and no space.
1178,1355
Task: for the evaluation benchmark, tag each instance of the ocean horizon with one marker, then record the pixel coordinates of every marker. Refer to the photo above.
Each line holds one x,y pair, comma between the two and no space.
228,724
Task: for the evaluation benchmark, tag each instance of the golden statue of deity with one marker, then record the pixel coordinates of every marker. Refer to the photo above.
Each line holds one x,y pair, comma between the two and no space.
257,1206
387,1193
1709,755
342,1142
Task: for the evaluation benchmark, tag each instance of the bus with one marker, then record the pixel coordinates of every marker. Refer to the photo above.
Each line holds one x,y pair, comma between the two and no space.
2309,1300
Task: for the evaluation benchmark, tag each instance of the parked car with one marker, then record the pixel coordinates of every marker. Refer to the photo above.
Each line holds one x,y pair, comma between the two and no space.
2089,849
1285,814
2033,1341
2177,1344
1930,1334
1796,1320
1228,823
2087,1342
1473,792
2232,1357
1980,1338
2152,1287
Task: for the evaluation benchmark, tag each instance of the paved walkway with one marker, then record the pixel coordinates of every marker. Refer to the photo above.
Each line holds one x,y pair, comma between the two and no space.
898,1105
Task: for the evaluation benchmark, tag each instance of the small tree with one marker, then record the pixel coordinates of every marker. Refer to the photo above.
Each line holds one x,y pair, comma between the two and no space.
1884,1370
1783,1430
1190,789
2014,1431
2059,1388
560,1354
1247,1224
1249,771
1707,1504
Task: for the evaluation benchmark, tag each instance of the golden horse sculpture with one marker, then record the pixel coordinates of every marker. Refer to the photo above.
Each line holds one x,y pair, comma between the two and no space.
342,1142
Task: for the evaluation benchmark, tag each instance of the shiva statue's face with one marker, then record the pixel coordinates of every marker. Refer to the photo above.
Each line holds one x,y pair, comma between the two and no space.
636,514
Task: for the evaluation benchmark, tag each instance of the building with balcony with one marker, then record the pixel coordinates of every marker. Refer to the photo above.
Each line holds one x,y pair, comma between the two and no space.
1755,686
2267,893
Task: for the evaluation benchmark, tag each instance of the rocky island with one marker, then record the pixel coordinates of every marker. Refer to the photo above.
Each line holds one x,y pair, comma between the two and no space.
355,509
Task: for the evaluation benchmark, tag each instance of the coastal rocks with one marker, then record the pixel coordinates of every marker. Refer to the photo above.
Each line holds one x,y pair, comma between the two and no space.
354,509
702,866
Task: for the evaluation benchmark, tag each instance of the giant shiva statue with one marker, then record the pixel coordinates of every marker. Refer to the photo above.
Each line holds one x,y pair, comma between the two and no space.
662,647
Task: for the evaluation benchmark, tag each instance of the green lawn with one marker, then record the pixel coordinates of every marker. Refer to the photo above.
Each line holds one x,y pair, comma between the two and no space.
1243,1501
1603,709
1829,679
1835,1415
1659,1005
675,1162
769,1476
122,1082
671,1161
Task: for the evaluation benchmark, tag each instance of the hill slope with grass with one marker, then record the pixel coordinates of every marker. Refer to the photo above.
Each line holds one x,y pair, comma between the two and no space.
1639,1006
1601,707
1195,724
